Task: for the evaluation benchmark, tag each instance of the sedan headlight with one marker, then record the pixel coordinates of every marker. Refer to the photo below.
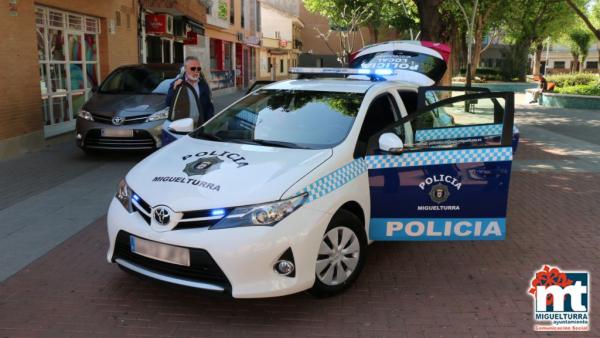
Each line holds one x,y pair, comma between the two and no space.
267,214
159,115
86,115
124,195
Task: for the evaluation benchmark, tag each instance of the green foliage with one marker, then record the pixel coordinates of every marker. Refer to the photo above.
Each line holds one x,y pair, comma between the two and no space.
580,40
337,11
588,89
222,10
569,80
488,74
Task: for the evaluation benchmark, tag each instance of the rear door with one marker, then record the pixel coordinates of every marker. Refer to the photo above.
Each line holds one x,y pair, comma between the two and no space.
452,182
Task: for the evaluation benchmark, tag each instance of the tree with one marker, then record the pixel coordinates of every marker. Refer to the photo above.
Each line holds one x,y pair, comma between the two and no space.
527,23
580,41
595,16
345,20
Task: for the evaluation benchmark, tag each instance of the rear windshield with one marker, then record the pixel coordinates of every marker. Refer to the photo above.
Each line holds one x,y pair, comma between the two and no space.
287,118
138,81
428,65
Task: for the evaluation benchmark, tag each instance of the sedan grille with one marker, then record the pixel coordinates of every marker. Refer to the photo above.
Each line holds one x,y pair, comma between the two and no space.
128,119
141,140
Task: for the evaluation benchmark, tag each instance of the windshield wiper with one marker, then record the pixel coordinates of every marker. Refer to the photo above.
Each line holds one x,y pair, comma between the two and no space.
270,143
207,136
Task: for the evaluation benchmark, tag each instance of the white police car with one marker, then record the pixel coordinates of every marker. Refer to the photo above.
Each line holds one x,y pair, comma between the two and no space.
283,190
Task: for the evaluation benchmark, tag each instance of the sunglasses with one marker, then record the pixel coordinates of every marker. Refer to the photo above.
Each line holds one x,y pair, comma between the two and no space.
195,69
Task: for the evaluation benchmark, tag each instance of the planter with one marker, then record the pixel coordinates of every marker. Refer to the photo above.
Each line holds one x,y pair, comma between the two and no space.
517,87
570,101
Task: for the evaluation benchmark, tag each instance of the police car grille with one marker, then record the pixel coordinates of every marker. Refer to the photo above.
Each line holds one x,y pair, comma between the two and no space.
190,219
202,267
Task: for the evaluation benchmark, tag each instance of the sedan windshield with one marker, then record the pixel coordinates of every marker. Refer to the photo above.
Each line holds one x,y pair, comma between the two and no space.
286,118
138,81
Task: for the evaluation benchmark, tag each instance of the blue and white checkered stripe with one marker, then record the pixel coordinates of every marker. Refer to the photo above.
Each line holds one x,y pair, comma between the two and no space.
458,132
335,180
440,157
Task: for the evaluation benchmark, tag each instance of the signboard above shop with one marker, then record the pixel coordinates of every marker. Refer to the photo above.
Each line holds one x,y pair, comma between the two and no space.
159,24
283,43
252,40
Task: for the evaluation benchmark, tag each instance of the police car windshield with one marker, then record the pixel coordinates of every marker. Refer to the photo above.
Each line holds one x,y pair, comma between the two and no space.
286,118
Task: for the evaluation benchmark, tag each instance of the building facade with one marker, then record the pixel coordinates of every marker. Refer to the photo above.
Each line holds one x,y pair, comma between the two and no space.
558,59
57,51
280,25
233,41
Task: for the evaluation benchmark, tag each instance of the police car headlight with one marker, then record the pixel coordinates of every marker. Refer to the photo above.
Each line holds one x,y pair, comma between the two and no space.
159,115
86,115
267,214
124,195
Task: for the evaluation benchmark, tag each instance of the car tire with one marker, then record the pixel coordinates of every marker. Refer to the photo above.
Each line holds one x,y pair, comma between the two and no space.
89,152
337,268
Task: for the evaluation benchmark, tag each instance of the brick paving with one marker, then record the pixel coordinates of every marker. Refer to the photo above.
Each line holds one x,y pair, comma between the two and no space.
445,289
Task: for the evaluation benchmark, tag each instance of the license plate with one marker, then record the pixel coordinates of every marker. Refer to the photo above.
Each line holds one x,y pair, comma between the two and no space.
162,252
117,132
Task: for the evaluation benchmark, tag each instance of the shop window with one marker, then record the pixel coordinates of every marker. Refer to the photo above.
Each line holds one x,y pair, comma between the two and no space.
227,56
166,45
153,49
67,45
56,19
75,22
559,64
591,65
178,52
281,66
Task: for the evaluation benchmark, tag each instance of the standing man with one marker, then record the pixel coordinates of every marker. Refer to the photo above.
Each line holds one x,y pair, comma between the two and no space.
193,76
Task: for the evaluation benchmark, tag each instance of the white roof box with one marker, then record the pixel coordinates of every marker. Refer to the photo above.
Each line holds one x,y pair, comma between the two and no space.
420,62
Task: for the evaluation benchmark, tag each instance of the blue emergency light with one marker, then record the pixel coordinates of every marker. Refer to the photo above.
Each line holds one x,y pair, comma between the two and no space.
375,74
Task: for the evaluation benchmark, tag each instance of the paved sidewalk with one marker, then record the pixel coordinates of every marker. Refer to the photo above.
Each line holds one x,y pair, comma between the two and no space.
444,289
49,195
441,289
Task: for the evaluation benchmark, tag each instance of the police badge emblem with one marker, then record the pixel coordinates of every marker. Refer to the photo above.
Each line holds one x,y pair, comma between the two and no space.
439,193
202,165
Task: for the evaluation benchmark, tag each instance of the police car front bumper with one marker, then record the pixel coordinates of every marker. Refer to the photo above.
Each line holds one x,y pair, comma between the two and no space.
246,256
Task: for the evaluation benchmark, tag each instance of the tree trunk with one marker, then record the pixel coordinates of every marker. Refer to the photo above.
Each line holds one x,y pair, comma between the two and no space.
478,35
537,61
430,19
574,63
433,28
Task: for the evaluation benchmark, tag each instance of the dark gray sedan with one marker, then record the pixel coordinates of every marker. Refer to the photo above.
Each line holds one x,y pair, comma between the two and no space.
128,109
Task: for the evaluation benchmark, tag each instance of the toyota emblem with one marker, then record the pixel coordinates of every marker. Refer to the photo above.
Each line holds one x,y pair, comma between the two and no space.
162,216
117,120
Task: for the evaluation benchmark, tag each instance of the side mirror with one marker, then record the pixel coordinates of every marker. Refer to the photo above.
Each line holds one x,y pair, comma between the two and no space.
391,143
182,126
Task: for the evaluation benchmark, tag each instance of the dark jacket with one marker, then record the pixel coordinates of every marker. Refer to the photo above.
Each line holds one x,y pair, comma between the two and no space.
205,104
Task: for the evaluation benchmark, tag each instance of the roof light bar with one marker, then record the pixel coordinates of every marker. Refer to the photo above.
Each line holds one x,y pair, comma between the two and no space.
344,71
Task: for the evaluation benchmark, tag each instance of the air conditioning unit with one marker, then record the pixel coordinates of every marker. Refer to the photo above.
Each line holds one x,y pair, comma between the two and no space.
169,24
